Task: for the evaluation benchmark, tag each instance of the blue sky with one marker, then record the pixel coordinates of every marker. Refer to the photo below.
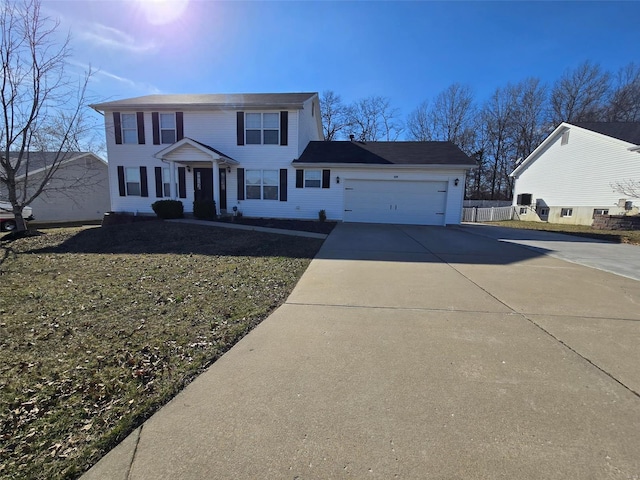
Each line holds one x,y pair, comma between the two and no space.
406,51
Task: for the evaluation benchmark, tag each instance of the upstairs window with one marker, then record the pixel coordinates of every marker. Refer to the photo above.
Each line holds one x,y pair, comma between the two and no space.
167,127
262,128
129,128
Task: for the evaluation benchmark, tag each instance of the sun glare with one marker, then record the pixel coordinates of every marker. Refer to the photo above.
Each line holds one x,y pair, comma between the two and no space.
162,12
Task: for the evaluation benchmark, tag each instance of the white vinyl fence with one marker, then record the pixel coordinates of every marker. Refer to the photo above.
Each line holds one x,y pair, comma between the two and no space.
493,214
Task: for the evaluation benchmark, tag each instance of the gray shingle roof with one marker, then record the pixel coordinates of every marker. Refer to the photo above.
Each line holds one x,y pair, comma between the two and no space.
385,153
218,100
204,145
625,131
39,160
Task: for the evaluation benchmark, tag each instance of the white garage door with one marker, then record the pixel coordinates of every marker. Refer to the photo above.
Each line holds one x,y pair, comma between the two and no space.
383,201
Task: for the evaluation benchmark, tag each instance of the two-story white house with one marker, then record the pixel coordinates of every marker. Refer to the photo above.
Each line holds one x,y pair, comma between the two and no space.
263,155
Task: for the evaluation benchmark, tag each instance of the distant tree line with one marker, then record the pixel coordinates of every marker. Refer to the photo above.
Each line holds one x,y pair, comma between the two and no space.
500,131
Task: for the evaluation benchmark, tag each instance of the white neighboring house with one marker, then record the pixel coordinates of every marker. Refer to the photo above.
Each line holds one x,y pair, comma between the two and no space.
78,190
263,155
570,177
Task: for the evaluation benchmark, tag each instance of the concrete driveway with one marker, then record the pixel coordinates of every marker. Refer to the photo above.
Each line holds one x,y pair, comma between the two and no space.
618,258
415,352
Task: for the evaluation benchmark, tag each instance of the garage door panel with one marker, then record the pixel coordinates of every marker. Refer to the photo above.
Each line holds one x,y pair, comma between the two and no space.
409,202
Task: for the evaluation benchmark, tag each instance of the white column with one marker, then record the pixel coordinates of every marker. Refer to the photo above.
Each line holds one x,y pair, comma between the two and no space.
216,185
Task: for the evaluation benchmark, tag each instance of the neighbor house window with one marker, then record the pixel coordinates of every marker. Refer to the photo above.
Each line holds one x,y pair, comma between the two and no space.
312,178
261,184
129,127
566,212
168,127
262,128
600,211
132,179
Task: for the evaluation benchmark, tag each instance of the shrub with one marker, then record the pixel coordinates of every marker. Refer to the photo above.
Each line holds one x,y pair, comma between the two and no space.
204,209
168,209
322,215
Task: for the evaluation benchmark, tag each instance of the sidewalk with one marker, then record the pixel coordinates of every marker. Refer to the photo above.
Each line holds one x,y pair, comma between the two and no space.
415,352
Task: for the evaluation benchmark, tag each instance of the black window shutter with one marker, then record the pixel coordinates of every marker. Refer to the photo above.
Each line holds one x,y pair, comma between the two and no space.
155,121
240,127
140,122
283,184
179,126
117,127
240,183
326,178
158,171
144,187
121,185
284,128
182,183
299,178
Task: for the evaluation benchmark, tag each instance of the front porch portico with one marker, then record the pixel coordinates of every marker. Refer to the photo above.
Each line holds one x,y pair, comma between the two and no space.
205,166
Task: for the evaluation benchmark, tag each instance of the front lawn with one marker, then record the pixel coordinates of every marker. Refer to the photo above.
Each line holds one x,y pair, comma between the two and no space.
99,327
618,236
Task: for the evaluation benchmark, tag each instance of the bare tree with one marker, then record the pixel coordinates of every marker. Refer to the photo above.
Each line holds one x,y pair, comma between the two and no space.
497,115
629,188
418,123
334,115
579,95
624,104
528,122
452,116
373,119
42,105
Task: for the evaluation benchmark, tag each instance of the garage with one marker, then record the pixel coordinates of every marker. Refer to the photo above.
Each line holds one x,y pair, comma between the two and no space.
416,183
401,202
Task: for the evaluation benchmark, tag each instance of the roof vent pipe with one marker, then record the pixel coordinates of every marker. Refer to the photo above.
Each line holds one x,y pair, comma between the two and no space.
352,137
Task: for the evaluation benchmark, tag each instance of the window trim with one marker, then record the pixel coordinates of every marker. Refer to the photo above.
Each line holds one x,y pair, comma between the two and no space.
566,212
262,185
600,211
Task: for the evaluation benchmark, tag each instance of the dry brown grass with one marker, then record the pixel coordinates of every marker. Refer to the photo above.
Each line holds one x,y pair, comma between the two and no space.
101,326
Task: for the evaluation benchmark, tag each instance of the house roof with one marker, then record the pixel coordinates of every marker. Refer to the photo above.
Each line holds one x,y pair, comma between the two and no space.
42,160
384,153
217,101
199,145
625,131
